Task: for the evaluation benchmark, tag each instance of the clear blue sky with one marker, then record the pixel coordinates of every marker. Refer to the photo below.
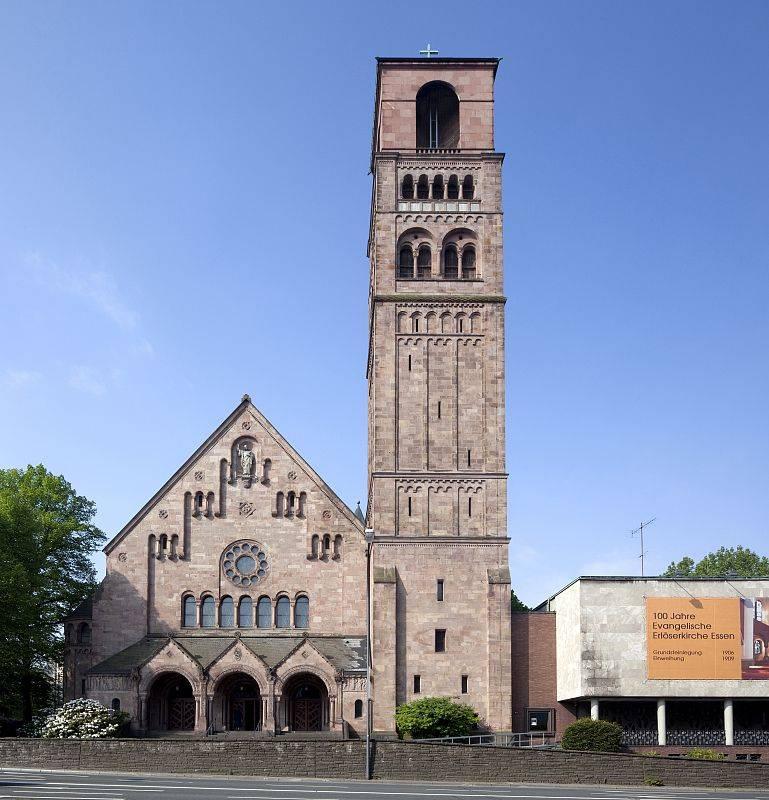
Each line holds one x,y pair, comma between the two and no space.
183,218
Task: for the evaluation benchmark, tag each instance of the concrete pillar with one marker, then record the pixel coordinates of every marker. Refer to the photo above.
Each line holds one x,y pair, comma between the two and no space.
729,722
593,708
662,726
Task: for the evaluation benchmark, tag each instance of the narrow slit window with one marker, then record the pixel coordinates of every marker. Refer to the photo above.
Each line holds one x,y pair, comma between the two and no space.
463,687
469,506
417,684
468,458
409,363
439,590
439,409
409,501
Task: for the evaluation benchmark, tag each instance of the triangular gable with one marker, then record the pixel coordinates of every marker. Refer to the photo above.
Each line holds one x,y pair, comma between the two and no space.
295,655
176,650
211,441
235,642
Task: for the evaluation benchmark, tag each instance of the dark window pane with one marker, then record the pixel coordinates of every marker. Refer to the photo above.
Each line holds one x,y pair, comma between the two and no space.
302,613
283,613
417,684
208,613
246,613
227,612
190,612
440,640
264,613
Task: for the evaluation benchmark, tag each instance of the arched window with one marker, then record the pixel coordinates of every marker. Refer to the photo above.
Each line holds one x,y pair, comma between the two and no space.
210,505
198,504
437,116
453,189
407,188
430,322
423,188
266,471
468,190
416,317
302,505
283,613
175,545
358,709
115,704
468,262
445,322
227,613
245,613
438,187
279,504
475,322
302,612
208,612
450,262
264,613
424,262
406,262
315,545
84,633
189,612
290,504
461,323
338,546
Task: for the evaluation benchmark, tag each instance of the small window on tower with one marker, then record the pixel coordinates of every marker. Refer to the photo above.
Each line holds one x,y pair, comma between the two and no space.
409,504
407,189
463,688
439,590
423,188
440,640
417,684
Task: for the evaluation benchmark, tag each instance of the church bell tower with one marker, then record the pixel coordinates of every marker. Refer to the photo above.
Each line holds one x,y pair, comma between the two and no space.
436,373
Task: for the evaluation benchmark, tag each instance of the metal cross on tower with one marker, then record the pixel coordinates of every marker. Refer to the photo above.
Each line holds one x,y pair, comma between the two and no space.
428,51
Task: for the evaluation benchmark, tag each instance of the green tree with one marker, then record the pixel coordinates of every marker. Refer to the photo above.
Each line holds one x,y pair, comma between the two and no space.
46,539
433,717
598,735
517,605
726,561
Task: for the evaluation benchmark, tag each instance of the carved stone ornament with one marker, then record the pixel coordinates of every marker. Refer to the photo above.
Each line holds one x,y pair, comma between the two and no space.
163,513
238,654
246,456
246,508
292,475
246,425
122,557
199,475
305,654
326,514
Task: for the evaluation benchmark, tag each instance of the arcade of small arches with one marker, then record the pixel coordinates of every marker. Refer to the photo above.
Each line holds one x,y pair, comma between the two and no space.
240,701
439,188
77,634
416,322
207,612
457,255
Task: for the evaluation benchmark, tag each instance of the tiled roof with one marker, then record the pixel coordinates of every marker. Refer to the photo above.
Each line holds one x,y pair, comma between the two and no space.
347,654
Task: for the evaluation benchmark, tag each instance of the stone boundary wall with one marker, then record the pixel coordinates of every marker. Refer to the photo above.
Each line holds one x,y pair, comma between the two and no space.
406,761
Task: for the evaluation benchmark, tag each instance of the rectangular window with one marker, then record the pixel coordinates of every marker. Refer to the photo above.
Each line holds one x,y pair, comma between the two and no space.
409,506
464,684
439,590
439,409
468,458
417,684
539,719
409,363
440,640
469,506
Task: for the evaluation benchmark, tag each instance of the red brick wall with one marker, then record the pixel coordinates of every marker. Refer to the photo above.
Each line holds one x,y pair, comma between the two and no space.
534,669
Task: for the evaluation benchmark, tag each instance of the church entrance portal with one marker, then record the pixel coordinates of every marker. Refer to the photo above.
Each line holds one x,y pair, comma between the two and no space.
308,704
171,704
241,703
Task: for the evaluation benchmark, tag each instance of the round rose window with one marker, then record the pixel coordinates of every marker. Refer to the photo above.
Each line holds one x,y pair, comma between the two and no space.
245,563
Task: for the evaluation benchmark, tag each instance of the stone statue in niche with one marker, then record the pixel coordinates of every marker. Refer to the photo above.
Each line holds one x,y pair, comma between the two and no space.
246,457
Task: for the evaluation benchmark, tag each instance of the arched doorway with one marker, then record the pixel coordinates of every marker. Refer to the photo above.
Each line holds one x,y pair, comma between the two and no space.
240,703
171,703
307,703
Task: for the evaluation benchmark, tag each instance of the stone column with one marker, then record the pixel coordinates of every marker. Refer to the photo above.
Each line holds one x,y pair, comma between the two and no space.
729,721
662,726
145,711
331,711
594,708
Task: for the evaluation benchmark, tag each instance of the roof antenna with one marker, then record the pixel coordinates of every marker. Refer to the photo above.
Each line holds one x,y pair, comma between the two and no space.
640,532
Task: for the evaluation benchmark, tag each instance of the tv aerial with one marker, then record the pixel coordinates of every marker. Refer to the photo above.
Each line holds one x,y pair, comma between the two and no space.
640,533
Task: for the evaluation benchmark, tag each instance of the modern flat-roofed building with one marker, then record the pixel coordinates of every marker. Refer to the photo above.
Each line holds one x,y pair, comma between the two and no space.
677,662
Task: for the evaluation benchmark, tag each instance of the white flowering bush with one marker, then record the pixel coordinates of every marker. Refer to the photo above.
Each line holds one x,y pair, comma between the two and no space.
83,719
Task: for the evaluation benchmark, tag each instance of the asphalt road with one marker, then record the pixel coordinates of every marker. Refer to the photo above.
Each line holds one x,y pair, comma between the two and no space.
45,785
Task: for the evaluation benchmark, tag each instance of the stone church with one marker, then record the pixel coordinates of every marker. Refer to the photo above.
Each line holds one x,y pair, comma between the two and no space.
236,598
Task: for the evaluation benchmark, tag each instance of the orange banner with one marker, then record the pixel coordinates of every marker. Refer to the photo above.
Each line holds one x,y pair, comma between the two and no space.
693,639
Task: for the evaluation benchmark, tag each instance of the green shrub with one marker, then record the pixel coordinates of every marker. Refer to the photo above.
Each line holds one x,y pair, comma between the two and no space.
598,735
704,754
431,717
650,753
653,780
